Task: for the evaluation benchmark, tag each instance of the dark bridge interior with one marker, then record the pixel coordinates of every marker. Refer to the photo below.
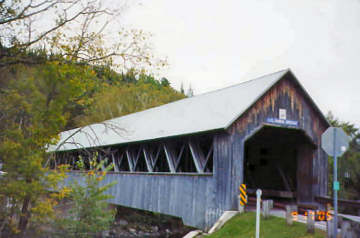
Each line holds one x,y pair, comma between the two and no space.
275,158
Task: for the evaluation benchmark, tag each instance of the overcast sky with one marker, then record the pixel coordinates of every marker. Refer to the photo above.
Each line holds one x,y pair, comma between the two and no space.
214,44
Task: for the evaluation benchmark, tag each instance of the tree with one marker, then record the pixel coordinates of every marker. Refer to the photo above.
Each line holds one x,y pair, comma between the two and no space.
349,163
32,115
165,82
118,100
47,74
182,88
190,92
78,32
90,213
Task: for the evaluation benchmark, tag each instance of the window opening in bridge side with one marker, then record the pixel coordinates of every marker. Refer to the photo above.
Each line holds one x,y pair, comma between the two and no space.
144,157
106,156
161,164
122,160
75,157
186,162
140,160
86,156
117,157
206,146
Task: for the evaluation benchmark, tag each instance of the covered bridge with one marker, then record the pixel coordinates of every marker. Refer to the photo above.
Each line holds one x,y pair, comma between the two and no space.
188,158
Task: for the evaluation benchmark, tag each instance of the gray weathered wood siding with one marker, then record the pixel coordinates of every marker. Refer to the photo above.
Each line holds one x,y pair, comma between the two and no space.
288,95
190,197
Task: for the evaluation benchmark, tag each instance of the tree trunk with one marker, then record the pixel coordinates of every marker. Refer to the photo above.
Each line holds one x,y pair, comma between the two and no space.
24,216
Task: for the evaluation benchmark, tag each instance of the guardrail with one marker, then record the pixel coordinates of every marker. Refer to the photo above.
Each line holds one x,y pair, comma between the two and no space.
342,202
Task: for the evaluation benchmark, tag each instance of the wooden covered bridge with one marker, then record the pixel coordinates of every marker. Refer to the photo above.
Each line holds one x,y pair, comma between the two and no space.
188,158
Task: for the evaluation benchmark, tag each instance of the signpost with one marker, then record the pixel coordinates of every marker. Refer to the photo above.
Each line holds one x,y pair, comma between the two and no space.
258,199
335,142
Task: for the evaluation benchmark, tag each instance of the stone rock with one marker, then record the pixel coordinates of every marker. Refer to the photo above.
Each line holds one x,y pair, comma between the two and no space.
132,230
105,233
155,229
123,222
167,231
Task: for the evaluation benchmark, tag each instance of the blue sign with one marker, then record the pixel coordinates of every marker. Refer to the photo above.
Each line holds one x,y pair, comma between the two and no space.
282,122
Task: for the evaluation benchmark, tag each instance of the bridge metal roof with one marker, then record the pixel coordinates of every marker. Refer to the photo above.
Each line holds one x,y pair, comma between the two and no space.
206,112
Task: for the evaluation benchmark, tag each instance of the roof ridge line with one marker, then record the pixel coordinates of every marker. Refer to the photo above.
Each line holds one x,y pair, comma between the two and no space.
244,82
188,98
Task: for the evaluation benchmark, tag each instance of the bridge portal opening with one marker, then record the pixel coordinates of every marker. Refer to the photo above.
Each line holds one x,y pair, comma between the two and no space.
279,161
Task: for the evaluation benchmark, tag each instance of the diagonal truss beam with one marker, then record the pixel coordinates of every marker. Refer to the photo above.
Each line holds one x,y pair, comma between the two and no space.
170,156
174,154
197,155
148,159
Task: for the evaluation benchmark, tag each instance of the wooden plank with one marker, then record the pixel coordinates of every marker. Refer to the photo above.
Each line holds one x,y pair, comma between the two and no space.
116,168
154,154
149,164
130,159
198,156
170,157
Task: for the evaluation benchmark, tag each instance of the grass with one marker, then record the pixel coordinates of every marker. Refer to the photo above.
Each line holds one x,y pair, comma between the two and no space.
243,226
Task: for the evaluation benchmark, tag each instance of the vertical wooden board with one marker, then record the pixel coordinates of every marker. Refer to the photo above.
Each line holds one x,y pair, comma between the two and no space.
201,204
154,193
161,195
176,195
223,182
182,196
114,187
141,192
111,190
145,194
148,196
210,201
237,168
304,185
117,188
129,192
194,194
187,205
124,195
120,198
228,178
220,154
132,190
166,204
172,196
316,174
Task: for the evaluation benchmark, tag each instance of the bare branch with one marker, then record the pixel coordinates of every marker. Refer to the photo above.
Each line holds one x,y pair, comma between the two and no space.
22,14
